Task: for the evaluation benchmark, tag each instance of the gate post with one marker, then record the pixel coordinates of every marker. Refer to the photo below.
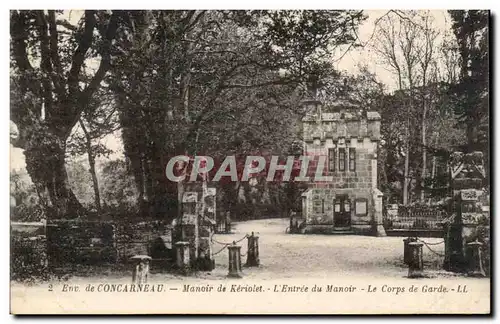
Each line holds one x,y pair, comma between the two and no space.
253,251
234,266
140,271
467,177
377,218
182,260
406,251
476,259
416,263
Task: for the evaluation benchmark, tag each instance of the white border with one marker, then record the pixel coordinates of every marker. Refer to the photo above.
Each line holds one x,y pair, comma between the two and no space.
256,4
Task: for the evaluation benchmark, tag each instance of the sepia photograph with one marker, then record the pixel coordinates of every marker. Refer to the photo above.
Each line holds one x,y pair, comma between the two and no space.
291,162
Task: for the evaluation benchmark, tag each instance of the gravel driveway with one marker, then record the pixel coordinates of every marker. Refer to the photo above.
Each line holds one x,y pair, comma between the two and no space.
292,255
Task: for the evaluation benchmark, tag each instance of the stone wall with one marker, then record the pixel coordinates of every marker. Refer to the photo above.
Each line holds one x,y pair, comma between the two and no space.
327,133
318,220
320,138
342,125
361,178
28,258
139,238
86,242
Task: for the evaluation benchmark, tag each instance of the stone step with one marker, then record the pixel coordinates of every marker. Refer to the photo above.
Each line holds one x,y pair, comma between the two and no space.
343,232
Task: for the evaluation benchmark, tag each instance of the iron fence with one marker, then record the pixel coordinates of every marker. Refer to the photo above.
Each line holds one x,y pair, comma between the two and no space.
415,218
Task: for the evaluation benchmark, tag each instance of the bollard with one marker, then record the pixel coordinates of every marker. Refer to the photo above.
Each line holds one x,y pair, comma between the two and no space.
140,271
406,251
416,263
234,261
253,251
182,256
294,225
476,260
205,262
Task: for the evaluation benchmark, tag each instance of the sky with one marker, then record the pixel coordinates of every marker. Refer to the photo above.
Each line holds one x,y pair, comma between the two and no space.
348,61
357,57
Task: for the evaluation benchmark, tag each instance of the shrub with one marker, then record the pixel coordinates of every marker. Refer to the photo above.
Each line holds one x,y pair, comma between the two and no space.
387,223
29,259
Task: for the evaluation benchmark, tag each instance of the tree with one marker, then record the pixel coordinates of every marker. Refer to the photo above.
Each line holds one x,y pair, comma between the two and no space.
472,91
24,198
427,60
397,47
80,181
450,58
97,121
118,189
50,86
409,46
188,76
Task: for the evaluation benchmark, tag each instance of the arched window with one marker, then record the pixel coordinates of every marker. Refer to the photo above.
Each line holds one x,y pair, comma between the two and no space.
342,159
352,159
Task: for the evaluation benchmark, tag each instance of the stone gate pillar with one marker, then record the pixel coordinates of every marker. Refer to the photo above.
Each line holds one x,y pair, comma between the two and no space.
197,223
467,176
378,213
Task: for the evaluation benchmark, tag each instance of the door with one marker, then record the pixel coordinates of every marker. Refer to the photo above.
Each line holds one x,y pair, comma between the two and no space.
342,212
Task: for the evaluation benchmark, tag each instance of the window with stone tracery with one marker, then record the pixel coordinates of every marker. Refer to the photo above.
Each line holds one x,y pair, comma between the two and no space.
332,157
352,159
342,157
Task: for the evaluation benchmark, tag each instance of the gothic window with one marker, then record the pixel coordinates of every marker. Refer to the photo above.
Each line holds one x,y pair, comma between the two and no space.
331,159
352,159
342,159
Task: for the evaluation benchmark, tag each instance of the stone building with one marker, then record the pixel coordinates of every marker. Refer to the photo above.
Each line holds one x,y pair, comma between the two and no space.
344,141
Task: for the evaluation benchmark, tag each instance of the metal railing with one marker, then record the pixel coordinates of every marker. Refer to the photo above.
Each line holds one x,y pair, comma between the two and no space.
415,218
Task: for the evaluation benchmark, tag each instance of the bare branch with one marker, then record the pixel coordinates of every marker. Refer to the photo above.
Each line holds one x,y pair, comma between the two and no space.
66,24
194,21
54,55
46,64
262,84
79,56
101,71
105,56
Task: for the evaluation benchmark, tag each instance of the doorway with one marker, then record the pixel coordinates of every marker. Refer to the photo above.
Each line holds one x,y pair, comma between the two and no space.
342,212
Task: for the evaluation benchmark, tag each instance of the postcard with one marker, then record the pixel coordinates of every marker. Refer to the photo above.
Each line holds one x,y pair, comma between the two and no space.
250,162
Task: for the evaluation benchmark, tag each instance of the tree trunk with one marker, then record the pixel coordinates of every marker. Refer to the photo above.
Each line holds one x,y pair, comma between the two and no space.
408,134
424,154
433,174
171,207
406,175
91,158
471,135
45,164
407,153
95,182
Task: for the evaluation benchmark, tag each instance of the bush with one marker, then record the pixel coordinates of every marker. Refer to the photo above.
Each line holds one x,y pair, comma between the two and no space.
248,211
387,223
29,259
27,213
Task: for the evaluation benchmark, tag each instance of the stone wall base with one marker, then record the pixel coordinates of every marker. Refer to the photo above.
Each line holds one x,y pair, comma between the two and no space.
360,229
380,231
